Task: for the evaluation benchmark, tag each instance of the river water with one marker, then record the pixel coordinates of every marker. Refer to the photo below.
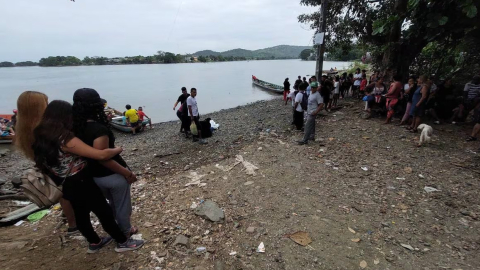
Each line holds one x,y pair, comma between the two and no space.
156,87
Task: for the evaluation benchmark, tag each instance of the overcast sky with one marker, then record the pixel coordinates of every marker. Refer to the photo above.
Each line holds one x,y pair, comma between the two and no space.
31,29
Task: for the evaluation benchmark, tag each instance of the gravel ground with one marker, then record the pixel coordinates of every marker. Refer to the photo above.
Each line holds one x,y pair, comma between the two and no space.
358,191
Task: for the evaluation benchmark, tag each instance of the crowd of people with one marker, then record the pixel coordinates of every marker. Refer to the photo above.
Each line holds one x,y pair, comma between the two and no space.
385,94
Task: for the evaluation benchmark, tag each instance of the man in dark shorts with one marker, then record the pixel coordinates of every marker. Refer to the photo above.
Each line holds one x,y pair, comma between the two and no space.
194,115
182,111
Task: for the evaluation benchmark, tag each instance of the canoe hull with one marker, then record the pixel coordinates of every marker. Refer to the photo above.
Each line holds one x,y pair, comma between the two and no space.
271,89
119,126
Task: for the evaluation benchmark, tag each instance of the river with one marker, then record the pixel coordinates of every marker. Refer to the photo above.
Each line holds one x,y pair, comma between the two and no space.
156,87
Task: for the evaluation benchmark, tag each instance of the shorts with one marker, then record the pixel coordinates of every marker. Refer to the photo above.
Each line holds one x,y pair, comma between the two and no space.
134,125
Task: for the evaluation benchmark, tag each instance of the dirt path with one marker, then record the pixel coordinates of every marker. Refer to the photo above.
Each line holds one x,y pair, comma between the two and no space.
351,214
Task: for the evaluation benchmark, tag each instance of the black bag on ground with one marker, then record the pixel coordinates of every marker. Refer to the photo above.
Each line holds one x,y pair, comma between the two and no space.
205,128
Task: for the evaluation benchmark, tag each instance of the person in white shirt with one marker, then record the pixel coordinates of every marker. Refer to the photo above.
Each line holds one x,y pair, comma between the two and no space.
357,77
297,107
315,105
336,91
193,113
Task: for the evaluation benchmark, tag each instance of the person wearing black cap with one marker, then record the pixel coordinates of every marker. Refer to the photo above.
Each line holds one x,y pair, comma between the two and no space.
182,113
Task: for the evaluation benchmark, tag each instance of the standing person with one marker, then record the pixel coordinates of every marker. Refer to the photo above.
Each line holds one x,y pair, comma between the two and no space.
420,96
59,154
408,96
297,83
297,107
112,176
315,105
476,128
325,90
304,80
392,96
14,118
357,80
141,116
132,118
30,107
336,91
286,90
194,115
182,113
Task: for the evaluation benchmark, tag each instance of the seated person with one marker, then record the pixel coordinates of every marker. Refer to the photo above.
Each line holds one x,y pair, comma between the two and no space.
6,128
110,112
376,92
471,99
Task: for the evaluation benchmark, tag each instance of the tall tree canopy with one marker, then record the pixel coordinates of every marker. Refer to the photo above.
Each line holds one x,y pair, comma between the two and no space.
397,31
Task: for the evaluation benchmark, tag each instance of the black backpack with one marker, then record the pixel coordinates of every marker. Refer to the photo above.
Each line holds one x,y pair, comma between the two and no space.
304,103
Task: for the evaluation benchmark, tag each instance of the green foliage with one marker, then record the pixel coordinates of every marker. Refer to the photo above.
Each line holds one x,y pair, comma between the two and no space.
353,67
6,64
396,31
305,54
53,61
354,52
26,64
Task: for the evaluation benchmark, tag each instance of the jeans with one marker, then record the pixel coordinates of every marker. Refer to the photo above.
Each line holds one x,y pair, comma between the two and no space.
309,128
88,198
117,191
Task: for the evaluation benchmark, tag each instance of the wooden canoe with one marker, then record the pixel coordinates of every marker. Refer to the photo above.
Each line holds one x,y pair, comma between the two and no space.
268,86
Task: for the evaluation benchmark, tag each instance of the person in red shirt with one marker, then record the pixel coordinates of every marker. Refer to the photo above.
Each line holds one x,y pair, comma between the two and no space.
392,96
363,85
141,115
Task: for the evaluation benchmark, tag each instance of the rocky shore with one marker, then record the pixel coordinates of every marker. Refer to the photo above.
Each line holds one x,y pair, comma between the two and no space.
362,192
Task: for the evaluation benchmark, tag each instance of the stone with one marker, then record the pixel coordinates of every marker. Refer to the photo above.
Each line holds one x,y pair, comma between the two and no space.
117,266
13,245
181,240
162,254
248,183
4,152
16,182
187,167
250,229
211,211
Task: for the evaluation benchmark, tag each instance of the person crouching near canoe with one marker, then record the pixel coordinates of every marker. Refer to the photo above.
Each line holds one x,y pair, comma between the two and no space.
62,156
132,118
141,116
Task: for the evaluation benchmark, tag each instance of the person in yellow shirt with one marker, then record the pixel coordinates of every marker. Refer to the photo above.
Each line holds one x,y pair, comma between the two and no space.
132,118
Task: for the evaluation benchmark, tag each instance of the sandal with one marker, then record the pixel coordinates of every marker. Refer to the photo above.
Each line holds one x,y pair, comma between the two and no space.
471,139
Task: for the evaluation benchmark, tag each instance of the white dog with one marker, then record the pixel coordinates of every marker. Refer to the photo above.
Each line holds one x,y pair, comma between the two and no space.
426,135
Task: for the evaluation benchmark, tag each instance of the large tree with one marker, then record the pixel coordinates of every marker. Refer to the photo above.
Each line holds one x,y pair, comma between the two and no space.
396,30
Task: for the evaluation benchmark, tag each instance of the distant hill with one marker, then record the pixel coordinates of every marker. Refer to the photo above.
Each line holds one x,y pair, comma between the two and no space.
277,52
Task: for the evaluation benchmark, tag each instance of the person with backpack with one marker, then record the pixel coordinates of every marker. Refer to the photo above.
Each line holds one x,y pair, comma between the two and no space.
314,106
301,101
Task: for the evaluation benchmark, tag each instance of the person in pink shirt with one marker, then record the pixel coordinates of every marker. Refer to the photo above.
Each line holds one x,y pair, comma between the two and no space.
392,96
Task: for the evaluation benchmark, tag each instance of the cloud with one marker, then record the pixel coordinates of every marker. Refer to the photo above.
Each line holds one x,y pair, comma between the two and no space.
30,30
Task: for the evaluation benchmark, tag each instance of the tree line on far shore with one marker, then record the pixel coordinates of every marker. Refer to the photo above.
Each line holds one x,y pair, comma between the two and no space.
159,58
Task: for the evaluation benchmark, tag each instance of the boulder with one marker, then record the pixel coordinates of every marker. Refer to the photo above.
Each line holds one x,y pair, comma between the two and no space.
211,211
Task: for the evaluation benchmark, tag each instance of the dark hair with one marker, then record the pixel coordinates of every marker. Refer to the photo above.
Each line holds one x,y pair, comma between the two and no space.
87,105
304,78
364,76
397,77
193,89
103,100
303,86
140,108
53,131
128,107
184,89
313,77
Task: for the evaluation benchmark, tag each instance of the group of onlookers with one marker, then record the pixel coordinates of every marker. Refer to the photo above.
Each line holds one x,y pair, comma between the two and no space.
74,146
386,94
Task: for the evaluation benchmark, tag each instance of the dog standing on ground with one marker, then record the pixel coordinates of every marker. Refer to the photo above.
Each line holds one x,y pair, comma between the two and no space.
426,135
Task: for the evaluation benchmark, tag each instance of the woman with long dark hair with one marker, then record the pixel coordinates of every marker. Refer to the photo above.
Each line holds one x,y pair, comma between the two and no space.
61,155
113,177
420,97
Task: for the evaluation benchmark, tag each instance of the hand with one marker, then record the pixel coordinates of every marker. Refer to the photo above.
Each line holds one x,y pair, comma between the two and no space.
118,150
132,178
174,108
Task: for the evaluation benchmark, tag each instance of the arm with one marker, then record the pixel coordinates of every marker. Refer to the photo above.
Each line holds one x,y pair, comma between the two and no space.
102,143
465,91
190,110
319,108
175,106
79,148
